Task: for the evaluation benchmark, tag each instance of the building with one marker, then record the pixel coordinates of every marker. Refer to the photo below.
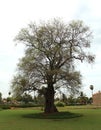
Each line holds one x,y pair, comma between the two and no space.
97,99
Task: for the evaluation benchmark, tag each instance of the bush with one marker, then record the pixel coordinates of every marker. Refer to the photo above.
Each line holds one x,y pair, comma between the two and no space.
5,106
59,104
24,105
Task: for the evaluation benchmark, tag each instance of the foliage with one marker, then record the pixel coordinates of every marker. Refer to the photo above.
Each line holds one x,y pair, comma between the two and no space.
91,87
26,98
0,97
5,106
71,100
82,99
24,105
49,62
60,104
18,85
64,98
40,100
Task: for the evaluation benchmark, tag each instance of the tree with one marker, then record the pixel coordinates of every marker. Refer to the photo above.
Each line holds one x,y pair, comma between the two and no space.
51,51
71,100
91,88
82,99
64,98
9,93
0,97
27,98
18,85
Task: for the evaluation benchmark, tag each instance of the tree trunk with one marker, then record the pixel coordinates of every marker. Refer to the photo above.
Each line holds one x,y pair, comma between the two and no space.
49,100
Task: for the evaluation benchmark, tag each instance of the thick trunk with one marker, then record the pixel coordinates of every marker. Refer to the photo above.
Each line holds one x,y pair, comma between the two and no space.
49,100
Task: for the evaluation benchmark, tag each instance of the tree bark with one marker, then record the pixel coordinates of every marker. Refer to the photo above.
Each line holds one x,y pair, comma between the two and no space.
49,100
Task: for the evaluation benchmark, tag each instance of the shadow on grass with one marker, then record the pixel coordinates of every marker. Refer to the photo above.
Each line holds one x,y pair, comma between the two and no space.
60,115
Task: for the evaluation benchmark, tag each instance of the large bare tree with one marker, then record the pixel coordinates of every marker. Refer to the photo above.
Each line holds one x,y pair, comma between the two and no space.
49,62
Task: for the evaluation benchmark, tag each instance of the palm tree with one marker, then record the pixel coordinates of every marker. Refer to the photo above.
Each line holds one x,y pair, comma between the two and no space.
91,88
9,93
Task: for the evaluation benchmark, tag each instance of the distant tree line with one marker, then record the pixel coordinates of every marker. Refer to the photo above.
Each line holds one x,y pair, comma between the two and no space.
38,100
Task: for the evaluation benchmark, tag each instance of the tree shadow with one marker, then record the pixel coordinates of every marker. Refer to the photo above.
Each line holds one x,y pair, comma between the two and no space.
58,116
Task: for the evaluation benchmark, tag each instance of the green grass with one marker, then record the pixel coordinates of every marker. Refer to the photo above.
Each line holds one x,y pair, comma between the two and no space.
70,118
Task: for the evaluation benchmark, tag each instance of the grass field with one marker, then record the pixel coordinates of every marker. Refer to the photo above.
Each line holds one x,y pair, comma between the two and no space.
70,118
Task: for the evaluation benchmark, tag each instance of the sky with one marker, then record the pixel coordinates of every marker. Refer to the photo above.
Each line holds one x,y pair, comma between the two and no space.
16,14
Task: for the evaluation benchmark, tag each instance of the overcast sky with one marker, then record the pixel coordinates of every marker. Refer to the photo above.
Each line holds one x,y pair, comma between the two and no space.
16,14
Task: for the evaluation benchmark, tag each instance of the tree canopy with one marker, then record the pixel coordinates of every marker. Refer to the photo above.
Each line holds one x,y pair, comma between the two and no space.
52,49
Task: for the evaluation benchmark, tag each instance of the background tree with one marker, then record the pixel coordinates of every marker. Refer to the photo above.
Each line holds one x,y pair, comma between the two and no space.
26,98
82,99
9,94
50,54
19,85
0,97
91,88
71,100
64,98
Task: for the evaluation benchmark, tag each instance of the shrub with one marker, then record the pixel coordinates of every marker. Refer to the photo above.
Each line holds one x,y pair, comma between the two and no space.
5,106
60,104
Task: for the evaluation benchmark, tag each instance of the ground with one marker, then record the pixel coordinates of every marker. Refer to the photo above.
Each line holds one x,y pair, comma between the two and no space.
70,118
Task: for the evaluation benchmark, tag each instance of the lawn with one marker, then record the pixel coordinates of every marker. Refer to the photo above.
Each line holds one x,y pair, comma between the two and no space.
70,118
